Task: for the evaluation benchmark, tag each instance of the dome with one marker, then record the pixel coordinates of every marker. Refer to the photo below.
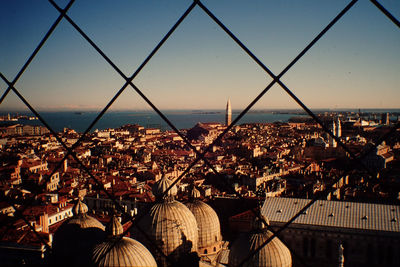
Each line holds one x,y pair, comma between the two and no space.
172,227
120,251
161,186
75,238
208,225
85,221
273,254
82,219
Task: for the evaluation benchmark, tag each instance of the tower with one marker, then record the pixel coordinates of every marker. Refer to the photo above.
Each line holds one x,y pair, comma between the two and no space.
338,128
332,141
385,118
228,114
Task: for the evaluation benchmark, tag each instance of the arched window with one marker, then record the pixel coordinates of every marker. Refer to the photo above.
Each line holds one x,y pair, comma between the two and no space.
370,253
389,254
328,249
313,245
205,251
381,253
215,249
305,246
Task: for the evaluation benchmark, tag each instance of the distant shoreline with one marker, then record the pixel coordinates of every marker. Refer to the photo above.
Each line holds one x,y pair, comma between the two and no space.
210,111
182,119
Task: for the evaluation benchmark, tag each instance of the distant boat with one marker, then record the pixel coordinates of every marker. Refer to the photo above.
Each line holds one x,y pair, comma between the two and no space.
78,113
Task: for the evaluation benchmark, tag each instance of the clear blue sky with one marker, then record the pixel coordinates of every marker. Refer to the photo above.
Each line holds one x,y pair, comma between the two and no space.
355,65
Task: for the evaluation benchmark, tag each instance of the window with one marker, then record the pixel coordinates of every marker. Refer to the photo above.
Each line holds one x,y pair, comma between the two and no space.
370,253
305,247
389,254
328,249
313,244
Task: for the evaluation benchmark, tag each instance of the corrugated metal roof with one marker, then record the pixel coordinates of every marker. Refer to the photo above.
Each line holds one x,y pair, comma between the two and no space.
223,257
341,214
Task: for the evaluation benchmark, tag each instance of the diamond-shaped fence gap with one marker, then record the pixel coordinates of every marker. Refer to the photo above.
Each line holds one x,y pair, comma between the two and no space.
68,75
130,31
21,33
123,138
129,115
256,150
39,185
323,162
17,121
75,180
25,173
357,82
270,32
39,168
29,236
194,72
353,66
379,155
305,140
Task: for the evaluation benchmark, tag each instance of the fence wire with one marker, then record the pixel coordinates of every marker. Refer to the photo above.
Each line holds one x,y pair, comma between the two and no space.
70,150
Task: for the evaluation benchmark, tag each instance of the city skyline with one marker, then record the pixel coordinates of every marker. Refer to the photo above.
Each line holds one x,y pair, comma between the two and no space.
354,65
171,174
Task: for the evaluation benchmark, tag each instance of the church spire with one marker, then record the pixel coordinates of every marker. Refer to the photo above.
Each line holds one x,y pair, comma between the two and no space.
228,114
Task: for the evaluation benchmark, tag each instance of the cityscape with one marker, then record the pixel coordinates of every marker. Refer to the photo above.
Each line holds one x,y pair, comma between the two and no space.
201,161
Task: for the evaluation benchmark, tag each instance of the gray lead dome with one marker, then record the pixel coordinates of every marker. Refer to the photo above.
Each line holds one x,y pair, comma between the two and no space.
161,187
76,237
170,225
208,224
120,251
273,254
82,219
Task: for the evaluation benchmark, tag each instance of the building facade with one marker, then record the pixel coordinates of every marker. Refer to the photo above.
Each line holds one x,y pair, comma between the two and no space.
369,233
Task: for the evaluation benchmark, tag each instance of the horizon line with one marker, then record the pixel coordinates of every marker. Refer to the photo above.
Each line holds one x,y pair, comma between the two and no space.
196,109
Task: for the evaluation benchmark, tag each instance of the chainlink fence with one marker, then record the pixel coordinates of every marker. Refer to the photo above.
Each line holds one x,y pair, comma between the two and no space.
356,159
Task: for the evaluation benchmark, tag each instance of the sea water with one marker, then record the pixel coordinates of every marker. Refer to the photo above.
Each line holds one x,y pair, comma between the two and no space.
181,119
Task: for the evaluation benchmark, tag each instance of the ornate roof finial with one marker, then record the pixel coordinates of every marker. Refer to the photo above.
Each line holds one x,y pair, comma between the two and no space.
80,208
260,222
114,227
194,193
161,186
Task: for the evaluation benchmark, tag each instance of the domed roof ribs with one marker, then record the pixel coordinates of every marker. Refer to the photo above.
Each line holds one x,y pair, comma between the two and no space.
163,191
118,250
80,208
254,249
